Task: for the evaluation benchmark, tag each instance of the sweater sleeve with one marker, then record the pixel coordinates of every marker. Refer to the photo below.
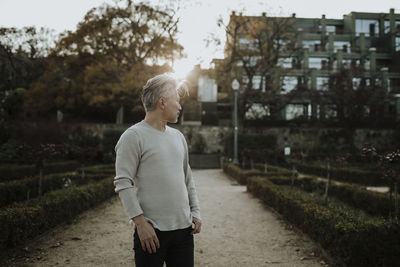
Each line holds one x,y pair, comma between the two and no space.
127,161
193,199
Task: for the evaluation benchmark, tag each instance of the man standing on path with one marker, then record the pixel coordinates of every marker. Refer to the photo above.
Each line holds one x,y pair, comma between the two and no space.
154,180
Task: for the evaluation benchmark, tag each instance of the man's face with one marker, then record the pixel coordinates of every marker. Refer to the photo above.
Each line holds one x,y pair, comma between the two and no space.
172,108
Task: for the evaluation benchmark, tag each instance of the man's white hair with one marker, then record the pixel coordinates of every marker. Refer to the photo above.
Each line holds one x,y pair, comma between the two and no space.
162,85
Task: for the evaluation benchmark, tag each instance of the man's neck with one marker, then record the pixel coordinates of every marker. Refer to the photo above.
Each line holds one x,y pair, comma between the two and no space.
155,121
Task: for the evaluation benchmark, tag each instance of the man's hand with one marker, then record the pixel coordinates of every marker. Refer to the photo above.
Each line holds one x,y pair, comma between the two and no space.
197,226
147,235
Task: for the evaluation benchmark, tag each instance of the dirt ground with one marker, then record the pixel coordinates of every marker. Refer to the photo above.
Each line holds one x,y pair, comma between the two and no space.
238,230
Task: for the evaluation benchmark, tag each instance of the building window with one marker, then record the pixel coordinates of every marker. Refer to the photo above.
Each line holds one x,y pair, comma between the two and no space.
387,25
346,63
288,83
356,82
330,28
367,64
397,44
313,45
322,83
285,62
367,111
247,44
370,27
394,84
317,62
344,45
257,111
257,82
294,111
330,111
282,44
250,61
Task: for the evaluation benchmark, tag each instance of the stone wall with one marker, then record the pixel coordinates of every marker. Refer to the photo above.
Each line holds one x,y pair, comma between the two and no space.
211,139
200,139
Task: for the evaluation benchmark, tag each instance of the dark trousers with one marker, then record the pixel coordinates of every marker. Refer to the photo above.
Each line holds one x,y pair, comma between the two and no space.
176,250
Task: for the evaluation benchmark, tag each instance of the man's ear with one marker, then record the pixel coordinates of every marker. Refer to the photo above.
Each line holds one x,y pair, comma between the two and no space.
161,103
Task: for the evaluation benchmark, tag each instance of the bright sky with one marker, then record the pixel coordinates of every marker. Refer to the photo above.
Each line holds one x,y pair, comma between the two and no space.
197,17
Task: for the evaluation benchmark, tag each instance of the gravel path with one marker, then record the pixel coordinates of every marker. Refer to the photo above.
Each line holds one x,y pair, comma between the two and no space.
237,231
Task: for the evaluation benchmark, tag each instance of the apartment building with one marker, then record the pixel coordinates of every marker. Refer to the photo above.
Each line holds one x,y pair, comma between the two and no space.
368,42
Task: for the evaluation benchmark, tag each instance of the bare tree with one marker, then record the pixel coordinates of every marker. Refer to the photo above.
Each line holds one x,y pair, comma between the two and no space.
255,47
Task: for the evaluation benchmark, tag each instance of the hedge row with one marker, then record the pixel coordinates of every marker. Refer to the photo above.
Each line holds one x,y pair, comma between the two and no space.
241,176
12,172
23,221
104,168
350,241
348,175
273,169
25,189
373,203
28,188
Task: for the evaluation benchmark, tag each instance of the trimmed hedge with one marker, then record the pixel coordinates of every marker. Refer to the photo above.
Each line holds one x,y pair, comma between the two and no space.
351,241
241,176
349,175
104,168
28,188
25,189
109,141
274,169
373,203
23,221
12,172
376,204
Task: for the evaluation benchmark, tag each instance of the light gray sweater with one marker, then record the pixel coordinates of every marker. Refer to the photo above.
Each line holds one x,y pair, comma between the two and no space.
153,177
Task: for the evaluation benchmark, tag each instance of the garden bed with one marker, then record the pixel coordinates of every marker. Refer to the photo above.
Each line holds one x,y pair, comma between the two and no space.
24,220
347,228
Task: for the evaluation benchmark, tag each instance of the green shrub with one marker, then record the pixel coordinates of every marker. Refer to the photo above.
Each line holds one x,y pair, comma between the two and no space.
110,139
8,150
241,175
349,175
11,171
350,241
23,221
84,138
373,203
103,168
251,142
273,169
28,188
238,174
4,133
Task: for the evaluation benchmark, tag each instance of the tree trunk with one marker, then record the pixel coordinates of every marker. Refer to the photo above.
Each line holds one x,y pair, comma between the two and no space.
265,167
390,202
293,175
40,181
83,171
396,202
328,180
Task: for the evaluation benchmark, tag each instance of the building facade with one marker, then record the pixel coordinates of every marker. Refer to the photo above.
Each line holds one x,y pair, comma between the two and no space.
365,47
